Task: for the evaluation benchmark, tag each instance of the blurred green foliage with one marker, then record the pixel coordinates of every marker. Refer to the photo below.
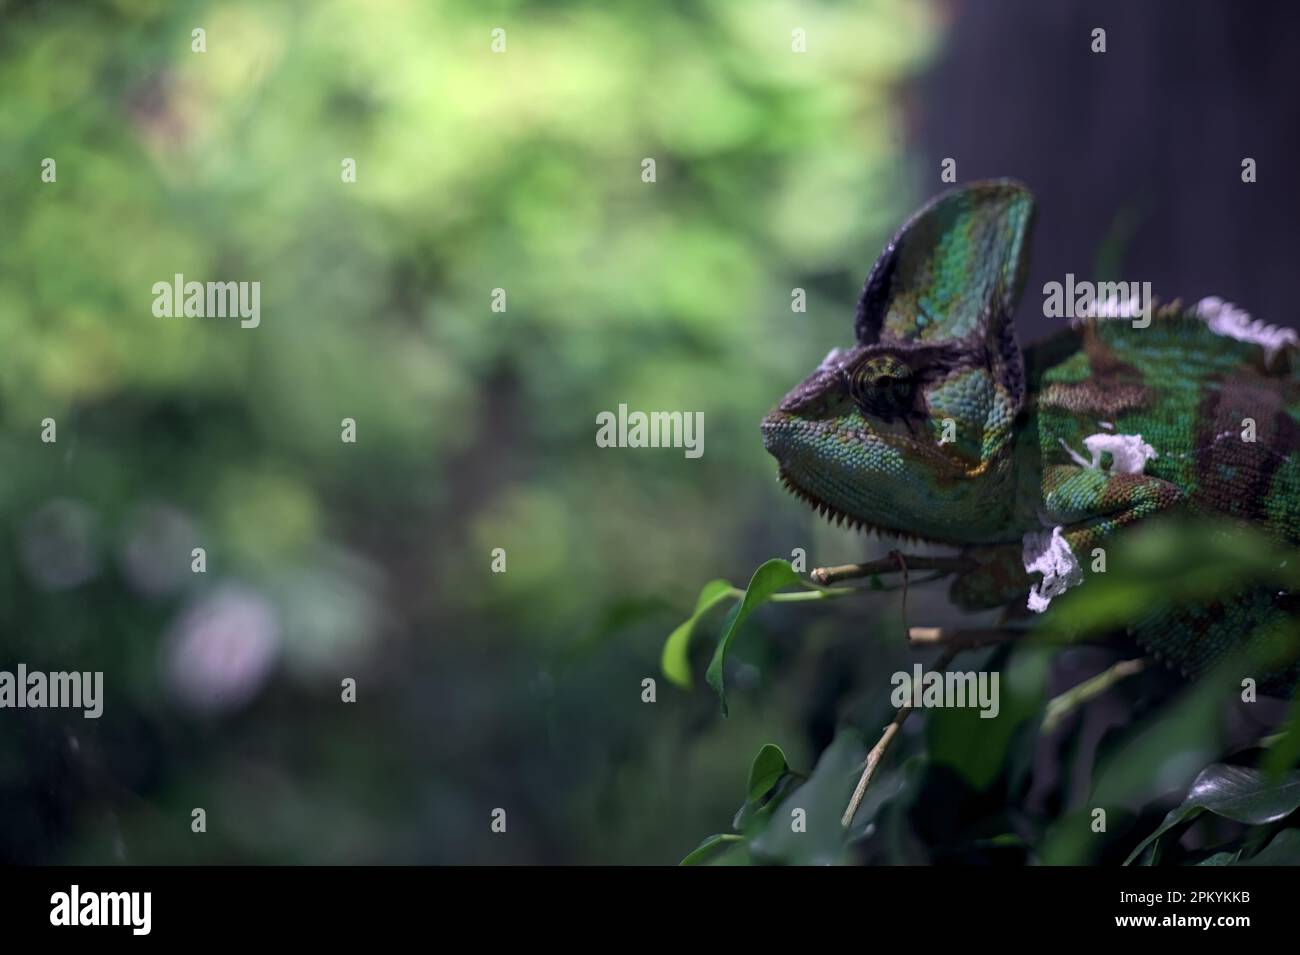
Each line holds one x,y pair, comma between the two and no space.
325,560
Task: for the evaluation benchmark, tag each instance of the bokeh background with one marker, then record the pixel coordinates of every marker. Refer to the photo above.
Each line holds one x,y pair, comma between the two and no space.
475,429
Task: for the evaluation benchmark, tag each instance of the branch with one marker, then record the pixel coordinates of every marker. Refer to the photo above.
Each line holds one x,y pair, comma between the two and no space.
958,638
954,641
1061,706
882,747
891,564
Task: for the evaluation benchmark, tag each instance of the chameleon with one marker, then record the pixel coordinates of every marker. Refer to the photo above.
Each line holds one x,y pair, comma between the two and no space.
935,425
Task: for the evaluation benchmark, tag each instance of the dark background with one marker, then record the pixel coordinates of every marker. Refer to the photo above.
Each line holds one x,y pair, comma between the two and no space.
1143,143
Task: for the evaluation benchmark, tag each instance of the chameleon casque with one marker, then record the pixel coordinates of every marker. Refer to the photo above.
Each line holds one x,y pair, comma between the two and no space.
1054,451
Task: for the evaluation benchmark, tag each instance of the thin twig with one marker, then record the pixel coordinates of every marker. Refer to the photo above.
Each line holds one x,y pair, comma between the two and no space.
882,746
1061,706
890,564
902,565
963,639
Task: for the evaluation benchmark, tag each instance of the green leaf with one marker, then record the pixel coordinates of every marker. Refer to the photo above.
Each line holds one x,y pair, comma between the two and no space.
708,847
978,747
767,580
752,813
821,840
1284,753
1238,793
675,660
770,779
1005,840
1283,850
766,770
1166,752
1245,795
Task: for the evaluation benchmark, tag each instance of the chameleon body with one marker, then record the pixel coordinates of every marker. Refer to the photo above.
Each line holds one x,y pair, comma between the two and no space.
936,426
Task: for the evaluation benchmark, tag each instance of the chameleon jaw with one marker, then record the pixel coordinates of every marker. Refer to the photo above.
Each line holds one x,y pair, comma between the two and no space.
844,519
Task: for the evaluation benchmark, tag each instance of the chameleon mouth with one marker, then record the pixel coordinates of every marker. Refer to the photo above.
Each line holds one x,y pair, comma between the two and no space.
843,519
778,426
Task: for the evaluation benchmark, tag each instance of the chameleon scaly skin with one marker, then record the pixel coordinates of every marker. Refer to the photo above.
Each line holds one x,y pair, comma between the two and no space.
935,426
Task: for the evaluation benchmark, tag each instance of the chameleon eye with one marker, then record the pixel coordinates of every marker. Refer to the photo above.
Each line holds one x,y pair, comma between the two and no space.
882,386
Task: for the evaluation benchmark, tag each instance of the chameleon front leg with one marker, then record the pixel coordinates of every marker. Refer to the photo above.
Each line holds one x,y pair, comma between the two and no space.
1190,637
1092,504
1082,508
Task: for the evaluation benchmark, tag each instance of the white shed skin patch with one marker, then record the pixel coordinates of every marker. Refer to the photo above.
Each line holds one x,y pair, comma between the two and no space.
1226,319
1112,306
1048,553
1129,453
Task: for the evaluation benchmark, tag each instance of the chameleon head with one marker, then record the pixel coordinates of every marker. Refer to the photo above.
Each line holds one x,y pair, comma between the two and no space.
910,430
